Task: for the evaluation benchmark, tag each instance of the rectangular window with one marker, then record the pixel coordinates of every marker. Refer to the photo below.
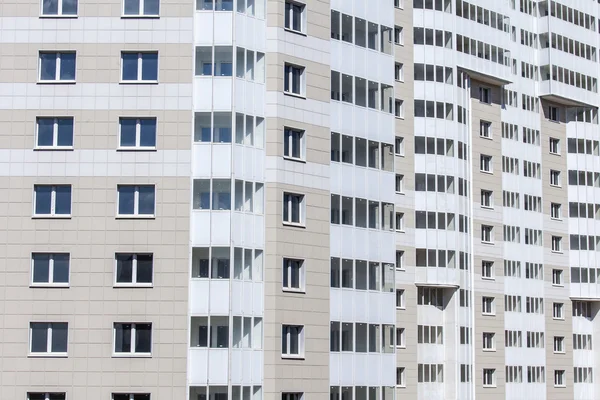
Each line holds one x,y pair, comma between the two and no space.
487,270
52,201
292,341
293,208
554,146
487,198
487,234
485,164
553,114
400,380
291,396
554,178
133,269
555,211
50,269
399,183
399,72
294,16
557,244
134,200
137,133
132,396
132,338
400,222
62,8
489,377
557,277
400,259
294,79
557,311
49,338
400,299
46,396
559,344
139,67
559,378
399,108
57,66
294,144
399,146
400,338
489,341
399,35
54,133
488,306
141,8
293,274
485,129
485,95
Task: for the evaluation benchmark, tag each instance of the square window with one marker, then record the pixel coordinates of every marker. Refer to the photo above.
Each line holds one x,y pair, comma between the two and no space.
131,396
558,311
295,16
57,67
293,208
139,67
46,396
136,200
554,146
294,79
293,271
485,129
555,211
399,3
489,341
292,341
48,338
399,183
141,8
137,133
488,306
487,270
54,133
487,198
557,277
50,269
59,8
294,144
132,338
52,200
133,269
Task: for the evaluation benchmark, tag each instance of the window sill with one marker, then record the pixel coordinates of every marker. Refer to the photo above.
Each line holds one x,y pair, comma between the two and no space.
556,186
558,318
401,308
397,155
38,285
131,355
122,82
133,285
490,386
486,172
401,347
559,352
487,207
295,32
49,216
486,278
489,350
53,148
132,216
401,269
59,16
555,219
47,355
488,243
292,290
554,154
401,193
556,251
399,117
123,16
291,357
294,225
399,80
400,231
488,314
486,137
291,94
558,285
133,149
560,386
65,82
294,159
401,386
485,102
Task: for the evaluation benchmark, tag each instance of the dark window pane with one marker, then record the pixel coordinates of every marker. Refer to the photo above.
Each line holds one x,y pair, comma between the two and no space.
120,396
144,268
146,196
69,7
63,200
130,66
59,337
151,7
141,396
150,66
48,66
132,7
126,199
128,128
61,268
36,396
148,132
65,132
50,7
124,268
45,132
39,337
143,338
67,66
122,338
57,396
43,198
41,268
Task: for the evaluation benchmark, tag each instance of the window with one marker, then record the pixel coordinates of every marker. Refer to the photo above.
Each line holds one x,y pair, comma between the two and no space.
136,200
294,144
555,211
489,377
141,8
554,146
50,269
399,108
294,16
488,306
489,341
399,35
48,338
46,396
293,208
400,299
57,66
553,114
139,67
293,274
559,378
399,146
132,338
487,270
559,344
399,3
133,269
485,129
132,396
485,163
293,79
557,311
487,234
292,396
400,338
557,277
63,8
52,201
400,259
137,133
485,95
487,199
399,72
292,341
400,222
400,377
54,132
554,178
399,183
557,244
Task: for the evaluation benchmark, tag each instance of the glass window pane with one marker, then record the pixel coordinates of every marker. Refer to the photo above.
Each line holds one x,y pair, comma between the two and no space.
122,338
69,7
151,7
128,128
63,200
126,199
50,7
45,131
143,338
41,268
59,337
61,268
150,66
124,268
48,66
39,337
148,132
130,66
67,66
43,199
65,132
132,7
144,268
146,198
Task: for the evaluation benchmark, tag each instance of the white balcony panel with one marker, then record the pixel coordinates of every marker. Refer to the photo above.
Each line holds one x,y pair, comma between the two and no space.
199,298
362,369
218,366
249,98
201,160
437,276
335,304
259,232
360,251
219,297
201,228
221,161
220,228
204,28
203,93
243,364
198,366
222,93
224,28
258,289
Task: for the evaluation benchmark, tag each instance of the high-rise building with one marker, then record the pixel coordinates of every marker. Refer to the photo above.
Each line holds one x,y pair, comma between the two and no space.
299,199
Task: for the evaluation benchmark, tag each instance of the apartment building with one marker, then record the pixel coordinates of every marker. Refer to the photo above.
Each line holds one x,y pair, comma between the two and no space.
299,199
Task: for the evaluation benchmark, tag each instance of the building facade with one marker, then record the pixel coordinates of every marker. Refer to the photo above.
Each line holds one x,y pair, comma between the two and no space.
299,199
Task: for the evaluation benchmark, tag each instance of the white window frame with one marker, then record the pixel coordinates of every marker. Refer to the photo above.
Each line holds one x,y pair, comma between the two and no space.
54,134
400,260
399,146
485,129
558,349
486,164
133,282
141,13
489,196
139,79
399,35
136,202
52,203
399,221
487,230
399,72
138,132
48,352
399,4
46,394
302,17
292,396
489,377
553,114
556,211
132,353
554,146
558,311
287,269
555,176
399,178
488,341
302,139
57,79
559,378
301,211
288,341
400,339
556,244
399,108
485,95
492,303
400,294
58,15
401,374
557,277
287,77
488,265
50,271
